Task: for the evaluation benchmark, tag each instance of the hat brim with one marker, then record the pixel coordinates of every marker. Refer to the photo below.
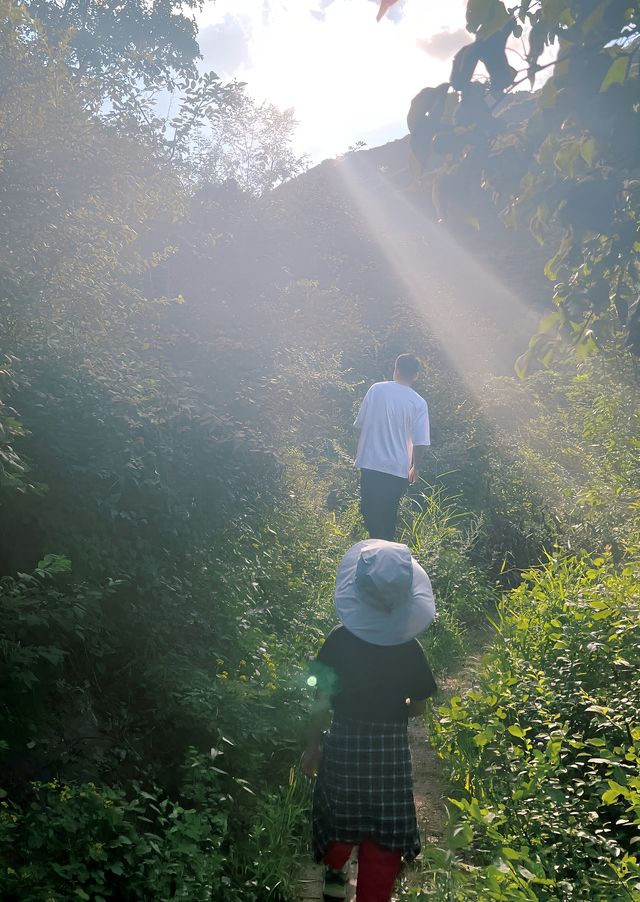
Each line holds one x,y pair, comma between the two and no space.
376,626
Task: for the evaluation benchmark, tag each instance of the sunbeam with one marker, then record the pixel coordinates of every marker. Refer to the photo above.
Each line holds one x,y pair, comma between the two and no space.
478,321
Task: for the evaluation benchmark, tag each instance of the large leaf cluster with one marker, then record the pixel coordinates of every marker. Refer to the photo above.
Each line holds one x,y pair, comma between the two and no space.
118,44
547,744
566,167
99,844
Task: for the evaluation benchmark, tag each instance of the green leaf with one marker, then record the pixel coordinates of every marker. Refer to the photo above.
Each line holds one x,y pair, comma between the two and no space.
521,366
617,73
554,11
485,17
548,95
612,794
55,563
547,322
515,730
481,739
462,836
589,151
565,159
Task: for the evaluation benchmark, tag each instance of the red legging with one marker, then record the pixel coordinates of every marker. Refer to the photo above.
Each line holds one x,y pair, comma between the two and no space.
377,868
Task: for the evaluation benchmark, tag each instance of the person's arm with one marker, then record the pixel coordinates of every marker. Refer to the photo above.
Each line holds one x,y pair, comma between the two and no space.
419,453
420,684
421,437
320,720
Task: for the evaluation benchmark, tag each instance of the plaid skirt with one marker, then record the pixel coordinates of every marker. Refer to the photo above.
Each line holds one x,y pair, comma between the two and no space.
364,788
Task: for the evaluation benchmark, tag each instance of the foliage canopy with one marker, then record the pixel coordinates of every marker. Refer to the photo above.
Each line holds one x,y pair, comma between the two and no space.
568,170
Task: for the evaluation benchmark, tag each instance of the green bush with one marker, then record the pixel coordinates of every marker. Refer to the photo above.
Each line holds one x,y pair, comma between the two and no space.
545,751
89,842
118,684
565,467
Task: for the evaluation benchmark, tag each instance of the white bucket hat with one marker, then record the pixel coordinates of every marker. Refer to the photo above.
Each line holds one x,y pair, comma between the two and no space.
382,593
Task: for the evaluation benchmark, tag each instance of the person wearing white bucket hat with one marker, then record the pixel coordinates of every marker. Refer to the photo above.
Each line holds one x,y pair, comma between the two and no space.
372,672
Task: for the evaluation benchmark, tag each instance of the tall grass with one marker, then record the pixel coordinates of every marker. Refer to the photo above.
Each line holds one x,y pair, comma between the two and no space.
443,537
268,865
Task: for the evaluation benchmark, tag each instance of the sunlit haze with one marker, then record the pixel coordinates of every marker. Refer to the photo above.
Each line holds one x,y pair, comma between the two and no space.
348,77
459,300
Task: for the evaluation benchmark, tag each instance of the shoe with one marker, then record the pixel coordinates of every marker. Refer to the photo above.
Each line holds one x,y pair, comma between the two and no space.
335,884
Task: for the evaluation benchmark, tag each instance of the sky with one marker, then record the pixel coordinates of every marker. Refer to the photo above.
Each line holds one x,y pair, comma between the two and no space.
348,77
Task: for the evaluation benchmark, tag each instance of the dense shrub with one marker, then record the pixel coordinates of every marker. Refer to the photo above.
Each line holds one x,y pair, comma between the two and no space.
194,684
545,749
89,842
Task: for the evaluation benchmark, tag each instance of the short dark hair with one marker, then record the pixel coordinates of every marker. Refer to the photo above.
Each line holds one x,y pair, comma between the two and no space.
408,366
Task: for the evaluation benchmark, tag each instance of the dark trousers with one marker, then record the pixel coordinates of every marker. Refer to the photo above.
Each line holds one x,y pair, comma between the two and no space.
380,495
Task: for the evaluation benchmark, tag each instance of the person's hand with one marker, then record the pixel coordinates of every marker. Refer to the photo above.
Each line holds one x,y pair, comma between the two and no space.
311,761
413,476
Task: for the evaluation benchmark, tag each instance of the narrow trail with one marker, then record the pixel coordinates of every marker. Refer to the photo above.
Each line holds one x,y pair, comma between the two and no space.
430,791
429,785
429,782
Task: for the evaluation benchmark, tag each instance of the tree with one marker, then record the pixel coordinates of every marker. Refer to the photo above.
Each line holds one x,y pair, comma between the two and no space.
121,41
252,147
570,171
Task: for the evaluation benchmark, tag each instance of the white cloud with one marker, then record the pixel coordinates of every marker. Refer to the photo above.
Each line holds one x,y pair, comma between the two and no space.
346,76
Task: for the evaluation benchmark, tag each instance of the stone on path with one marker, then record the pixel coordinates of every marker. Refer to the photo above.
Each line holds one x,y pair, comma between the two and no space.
310,884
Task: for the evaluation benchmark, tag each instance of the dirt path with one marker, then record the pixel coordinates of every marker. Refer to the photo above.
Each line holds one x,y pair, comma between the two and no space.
430,792
429,785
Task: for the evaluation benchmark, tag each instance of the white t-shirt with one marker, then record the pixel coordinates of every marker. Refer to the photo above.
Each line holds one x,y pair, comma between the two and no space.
392,419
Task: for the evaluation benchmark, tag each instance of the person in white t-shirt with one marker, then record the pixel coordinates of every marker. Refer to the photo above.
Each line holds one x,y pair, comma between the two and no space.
394,434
